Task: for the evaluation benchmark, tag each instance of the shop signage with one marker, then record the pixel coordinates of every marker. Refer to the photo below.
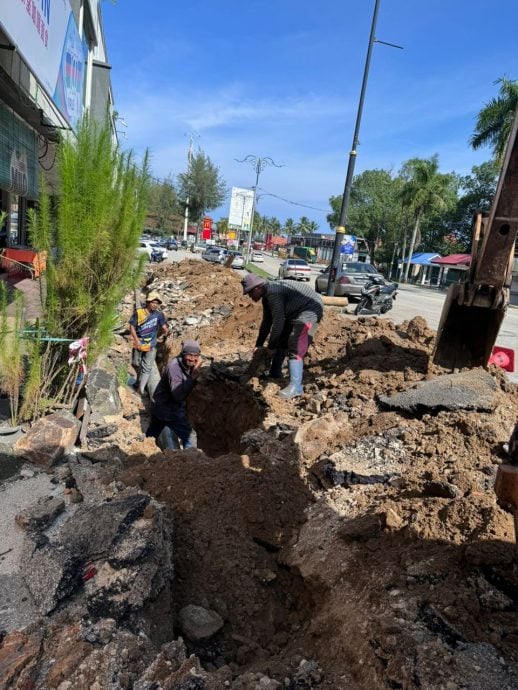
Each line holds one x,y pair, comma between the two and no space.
46,35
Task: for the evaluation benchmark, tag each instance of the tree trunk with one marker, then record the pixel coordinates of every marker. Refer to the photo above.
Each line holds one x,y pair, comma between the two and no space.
412,244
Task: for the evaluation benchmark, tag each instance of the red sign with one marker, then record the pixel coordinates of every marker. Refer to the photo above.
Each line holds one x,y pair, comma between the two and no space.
207,225
206,234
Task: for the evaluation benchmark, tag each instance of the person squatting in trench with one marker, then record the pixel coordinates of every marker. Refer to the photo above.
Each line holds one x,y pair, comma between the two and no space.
291,312
168,409
145,324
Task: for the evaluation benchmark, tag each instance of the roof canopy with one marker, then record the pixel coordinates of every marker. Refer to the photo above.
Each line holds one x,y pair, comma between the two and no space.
423,258
454,260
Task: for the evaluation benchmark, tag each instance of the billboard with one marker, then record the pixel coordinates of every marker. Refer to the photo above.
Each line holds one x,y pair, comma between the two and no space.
46,35
241,204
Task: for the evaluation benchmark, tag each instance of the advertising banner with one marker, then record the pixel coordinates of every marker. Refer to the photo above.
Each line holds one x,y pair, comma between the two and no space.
46,35
241,204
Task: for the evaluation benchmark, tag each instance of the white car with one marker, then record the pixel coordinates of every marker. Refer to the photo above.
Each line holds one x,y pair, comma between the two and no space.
238,261
295,268
257,258
148,247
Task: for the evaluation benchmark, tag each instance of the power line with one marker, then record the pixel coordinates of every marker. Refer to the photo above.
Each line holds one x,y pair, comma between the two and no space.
296,203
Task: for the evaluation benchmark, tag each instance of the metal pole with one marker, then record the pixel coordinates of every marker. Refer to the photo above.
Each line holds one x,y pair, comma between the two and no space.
186,215
340,230
259,163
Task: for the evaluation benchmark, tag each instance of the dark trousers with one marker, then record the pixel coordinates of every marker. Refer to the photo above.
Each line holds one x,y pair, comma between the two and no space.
178,424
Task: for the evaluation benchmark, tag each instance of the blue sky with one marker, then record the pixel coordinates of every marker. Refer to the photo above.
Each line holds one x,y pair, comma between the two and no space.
281,78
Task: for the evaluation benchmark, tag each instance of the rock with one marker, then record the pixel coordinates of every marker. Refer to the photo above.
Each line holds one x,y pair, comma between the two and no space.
40,515
102,431
51,572
19,655
392,519
49,439
438,489
190,321
198,623
468,390
322,434
314,406
93,530
102,391
362,528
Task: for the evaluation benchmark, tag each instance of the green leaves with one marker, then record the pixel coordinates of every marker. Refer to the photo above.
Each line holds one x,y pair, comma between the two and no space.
202,185
494,121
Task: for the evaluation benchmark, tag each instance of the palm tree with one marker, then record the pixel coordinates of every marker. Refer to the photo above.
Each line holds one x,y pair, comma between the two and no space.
289,226
425,190
303,225
494,121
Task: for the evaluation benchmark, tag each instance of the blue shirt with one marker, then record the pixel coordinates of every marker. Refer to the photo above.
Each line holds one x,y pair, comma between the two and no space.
146,325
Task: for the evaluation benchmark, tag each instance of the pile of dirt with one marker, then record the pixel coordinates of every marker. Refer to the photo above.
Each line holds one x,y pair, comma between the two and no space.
344,543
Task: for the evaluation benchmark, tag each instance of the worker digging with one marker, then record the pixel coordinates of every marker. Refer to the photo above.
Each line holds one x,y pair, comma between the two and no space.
168,410
145,324
291,313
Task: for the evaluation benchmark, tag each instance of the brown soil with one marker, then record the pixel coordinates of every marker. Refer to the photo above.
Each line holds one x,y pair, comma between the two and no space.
368,541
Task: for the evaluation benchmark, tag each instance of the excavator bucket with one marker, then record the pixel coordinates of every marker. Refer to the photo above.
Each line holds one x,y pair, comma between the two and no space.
474,310
466,334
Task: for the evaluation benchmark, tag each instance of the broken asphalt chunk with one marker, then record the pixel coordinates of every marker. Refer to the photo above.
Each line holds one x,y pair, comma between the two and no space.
468,390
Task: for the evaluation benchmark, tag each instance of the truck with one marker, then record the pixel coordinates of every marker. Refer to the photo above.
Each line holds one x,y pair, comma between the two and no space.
306,253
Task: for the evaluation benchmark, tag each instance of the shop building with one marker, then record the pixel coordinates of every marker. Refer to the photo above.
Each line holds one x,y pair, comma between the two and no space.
53,68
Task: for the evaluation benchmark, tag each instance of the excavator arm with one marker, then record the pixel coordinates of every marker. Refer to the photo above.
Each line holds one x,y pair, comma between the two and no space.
474,310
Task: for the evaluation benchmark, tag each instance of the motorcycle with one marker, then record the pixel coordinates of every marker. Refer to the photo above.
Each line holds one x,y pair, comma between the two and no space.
377,297
156,255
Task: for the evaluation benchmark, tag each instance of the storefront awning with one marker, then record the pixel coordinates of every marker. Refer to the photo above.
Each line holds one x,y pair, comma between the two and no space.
453,260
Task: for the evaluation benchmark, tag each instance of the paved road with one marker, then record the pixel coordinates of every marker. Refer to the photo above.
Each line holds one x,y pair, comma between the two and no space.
411,301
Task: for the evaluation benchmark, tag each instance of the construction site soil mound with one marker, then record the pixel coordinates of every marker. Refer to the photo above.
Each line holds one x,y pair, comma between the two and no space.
343,543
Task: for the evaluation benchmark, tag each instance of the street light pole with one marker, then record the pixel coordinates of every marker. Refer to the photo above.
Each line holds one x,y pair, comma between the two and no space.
259,164
340,230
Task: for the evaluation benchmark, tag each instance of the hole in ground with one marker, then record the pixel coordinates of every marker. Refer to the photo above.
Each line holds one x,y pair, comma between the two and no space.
221,412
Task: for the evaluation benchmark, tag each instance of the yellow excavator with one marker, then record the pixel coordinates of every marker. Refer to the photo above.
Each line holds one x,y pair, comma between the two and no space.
474,310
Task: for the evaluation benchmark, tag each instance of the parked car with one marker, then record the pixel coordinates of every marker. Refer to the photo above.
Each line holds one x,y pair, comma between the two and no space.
257,258
238,260
351,277
172,245
213,254
149,247
297,269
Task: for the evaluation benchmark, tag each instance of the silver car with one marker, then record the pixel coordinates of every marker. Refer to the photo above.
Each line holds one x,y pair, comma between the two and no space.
352,276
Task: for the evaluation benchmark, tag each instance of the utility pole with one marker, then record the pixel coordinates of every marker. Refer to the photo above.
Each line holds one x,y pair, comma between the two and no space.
259,164
342,223
186,215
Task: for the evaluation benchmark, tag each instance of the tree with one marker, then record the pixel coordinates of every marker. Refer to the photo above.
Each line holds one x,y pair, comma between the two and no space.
375,212
425,191
90,231
289,226
306,226
202,185
494,121
163,205
477,191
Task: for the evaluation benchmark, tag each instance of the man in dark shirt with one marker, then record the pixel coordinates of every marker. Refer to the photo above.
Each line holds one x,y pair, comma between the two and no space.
144,325
168,408
291,312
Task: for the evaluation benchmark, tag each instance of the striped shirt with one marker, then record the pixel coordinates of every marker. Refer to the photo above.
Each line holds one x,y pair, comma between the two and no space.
283,302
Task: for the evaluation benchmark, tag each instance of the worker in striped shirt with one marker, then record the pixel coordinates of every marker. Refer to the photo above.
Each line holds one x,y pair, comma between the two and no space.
291,312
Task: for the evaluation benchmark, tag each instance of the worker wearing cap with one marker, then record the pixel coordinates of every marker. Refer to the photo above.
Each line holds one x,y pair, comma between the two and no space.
291,312
169,400
145,326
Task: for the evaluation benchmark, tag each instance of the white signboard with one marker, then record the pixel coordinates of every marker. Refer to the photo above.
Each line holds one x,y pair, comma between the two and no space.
46,35
241,204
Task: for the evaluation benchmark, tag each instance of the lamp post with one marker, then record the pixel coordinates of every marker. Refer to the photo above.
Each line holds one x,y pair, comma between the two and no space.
340,230
259,164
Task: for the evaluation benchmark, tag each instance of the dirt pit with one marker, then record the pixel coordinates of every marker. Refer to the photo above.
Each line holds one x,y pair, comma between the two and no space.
221,412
